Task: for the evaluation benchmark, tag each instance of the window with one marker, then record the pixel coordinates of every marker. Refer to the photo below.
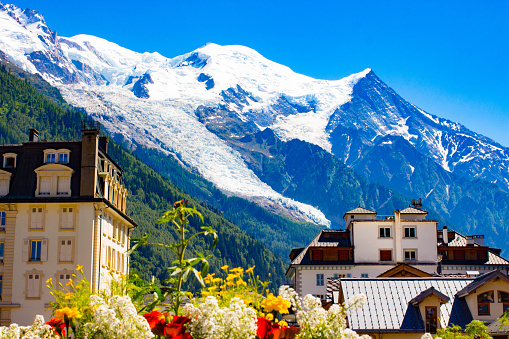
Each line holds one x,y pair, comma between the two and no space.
36,218
320,279
459,255
63,185
385,232
364,275
67,218
65,250
2,221
503,297
63,277
1,280
385,255
410,255
35,250
410,232
317,255
483,303
2,244
10,160
63,158
33,285
50,158
349,275
431,319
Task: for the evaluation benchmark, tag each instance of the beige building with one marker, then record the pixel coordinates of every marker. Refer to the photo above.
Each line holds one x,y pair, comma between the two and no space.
62,204
372,244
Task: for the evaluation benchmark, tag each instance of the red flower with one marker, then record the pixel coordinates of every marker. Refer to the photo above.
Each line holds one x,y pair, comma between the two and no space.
156,321
57,324
183,336
266,330
176,329
263,328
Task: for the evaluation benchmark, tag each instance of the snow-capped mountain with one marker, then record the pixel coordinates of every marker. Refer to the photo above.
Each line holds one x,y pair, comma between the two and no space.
153,100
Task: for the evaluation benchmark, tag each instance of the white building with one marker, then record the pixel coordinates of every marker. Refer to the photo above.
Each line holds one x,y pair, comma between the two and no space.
371,245
62,204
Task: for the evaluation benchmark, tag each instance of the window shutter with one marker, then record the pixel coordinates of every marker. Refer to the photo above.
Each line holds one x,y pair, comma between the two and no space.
4,187
63,185
44,250
45,185
26,243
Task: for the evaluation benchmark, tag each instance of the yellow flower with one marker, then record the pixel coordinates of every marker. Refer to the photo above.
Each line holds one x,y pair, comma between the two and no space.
68,296
269,317
69,283
212,288
205,293
237,270
49,281
250,269
283,323
72,313
278,304
79,267
225,267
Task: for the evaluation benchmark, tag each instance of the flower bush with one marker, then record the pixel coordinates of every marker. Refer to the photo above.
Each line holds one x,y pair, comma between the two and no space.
236,305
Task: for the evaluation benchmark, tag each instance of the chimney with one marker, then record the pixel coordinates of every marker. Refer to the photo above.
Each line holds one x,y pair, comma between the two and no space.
34,135
445,235
470,240
479,240
398,235
89,151
103,143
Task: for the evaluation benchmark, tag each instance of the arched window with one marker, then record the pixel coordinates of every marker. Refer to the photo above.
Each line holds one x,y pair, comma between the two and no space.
483,303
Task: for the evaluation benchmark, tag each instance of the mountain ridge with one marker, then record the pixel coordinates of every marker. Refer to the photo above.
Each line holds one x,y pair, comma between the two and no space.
347,117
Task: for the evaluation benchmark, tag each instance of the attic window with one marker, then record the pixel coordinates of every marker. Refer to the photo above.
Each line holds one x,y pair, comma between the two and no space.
10,160
483,303
431,319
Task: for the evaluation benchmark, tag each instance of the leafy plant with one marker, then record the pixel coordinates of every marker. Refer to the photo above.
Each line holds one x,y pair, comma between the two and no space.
183,268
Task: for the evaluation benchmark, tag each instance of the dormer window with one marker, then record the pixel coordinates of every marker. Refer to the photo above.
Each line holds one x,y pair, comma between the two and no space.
50,158
60,156
10,160
63,158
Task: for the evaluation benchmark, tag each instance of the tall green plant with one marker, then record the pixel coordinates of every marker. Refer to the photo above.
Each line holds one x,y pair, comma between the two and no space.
178,217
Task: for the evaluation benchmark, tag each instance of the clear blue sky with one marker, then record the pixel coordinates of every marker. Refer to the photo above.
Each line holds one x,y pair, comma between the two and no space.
450,58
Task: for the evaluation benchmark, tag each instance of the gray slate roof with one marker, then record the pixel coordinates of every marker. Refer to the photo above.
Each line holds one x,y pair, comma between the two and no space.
412,210
360,210
388,306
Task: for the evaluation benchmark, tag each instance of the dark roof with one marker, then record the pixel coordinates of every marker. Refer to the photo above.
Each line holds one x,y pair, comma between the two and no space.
428,292
389,308
461,241
482,280
303,257
30,156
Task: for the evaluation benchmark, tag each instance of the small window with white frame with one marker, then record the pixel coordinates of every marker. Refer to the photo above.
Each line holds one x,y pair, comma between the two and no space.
364,275
320,280
410,232
385,232
50,158
10,160
63,157
410,255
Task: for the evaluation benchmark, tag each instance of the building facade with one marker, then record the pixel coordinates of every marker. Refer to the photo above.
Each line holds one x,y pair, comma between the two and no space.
371,244
62,204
